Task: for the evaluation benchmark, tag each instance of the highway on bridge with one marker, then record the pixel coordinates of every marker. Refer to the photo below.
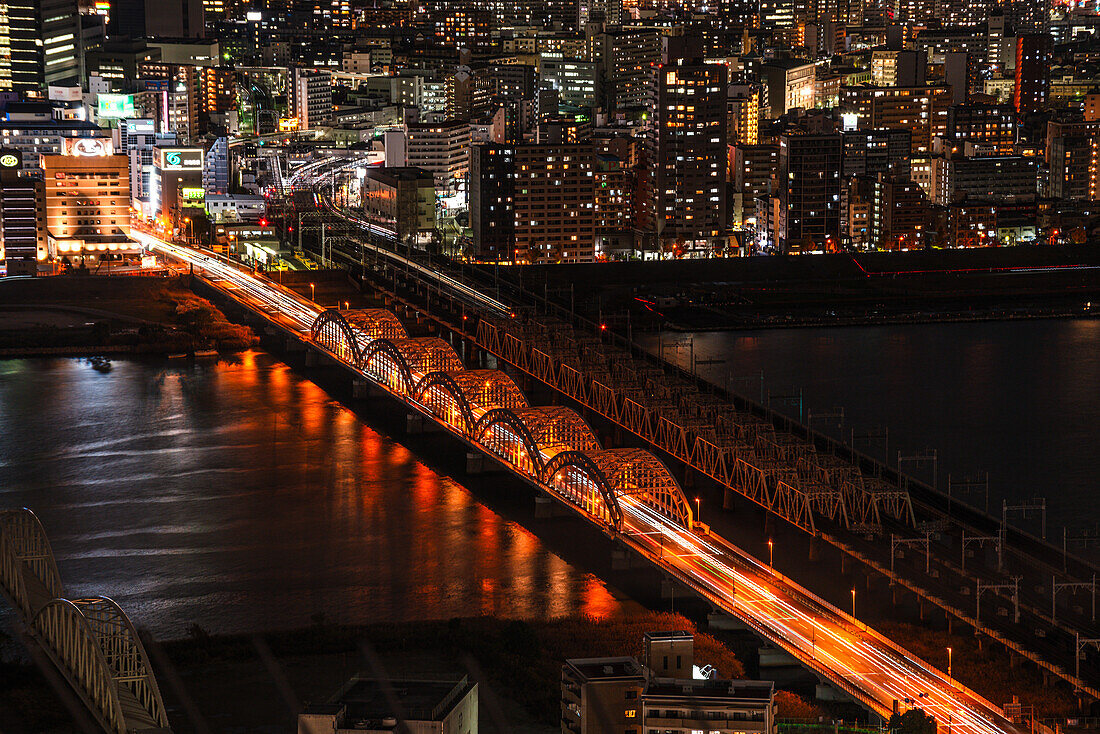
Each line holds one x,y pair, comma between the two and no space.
859,661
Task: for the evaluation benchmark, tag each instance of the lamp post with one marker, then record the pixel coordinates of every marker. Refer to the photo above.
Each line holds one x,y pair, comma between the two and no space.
949,662
853,603
697,510
312,292
771,547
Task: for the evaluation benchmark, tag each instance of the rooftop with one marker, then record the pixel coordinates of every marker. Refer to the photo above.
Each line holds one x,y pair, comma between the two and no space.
606,668
370,699
742,689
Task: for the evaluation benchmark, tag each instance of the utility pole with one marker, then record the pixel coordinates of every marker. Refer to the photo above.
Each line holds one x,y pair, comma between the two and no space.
1036,504
926,541
979,483
1071,586
981,540
928,456
1015,588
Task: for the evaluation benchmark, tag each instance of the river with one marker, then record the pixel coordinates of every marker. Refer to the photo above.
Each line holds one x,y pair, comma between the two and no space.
1018,400
239,496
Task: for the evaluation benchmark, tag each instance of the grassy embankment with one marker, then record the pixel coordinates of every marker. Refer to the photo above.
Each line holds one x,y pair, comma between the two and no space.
141,314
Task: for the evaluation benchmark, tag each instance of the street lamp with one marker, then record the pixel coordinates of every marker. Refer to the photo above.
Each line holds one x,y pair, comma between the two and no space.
771,562
697,510
312,292
949,662
853,603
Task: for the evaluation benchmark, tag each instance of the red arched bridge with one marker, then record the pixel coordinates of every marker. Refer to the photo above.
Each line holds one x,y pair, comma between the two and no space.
90,641
551,446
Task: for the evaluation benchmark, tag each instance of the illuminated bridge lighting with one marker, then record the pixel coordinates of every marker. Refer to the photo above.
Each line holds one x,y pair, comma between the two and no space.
628,492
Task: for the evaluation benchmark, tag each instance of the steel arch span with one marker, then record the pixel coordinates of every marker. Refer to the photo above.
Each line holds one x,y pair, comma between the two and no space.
400,363
541,432
28,571
95,646
580,481
639,475
459,398
348,333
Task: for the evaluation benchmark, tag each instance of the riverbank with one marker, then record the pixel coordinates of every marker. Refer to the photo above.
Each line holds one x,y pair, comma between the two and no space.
83,315
261,682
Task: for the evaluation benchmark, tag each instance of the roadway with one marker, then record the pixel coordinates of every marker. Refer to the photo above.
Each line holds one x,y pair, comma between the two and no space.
859,661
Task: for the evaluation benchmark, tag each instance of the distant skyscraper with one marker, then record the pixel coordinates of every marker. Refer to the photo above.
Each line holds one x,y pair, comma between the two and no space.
39,44
692,155
1032,72
809,193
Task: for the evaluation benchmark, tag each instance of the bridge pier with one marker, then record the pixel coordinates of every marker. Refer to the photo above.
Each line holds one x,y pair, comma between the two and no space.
416,423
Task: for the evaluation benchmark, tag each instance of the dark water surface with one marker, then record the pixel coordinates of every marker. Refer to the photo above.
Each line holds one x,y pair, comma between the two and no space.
1019,400
240,496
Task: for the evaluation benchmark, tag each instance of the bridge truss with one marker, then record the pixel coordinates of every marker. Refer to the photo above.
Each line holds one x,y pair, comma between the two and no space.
92,642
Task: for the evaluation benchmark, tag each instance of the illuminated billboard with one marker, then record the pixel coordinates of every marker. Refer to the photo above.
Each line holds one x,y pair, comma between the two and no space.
115,106
87,147
191,194
180,159
10,158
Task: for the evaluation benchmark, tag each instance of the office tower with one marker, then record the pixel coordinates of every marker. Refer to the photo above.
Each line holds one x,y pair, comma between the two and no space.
1071,156
1032,73
691,154
809,194
468,94
39,45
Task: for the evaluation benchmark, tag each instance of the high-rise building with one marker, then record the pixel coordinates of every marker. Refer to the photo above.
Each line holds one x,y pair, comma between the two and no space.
626,57
920,110
743,114
442,148
986,124
809,194
22,217
554,203
1032,73
88,199
691,154
309,96
39,45
898,214
401,200
790,84
1071,156
492,193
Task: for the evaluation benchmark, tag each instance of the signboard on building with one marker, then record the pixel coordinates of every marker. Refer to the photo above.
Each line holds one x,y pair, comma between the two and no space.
87,147
141,127
288,124
10,159
180,159
115,106
193,194
64,94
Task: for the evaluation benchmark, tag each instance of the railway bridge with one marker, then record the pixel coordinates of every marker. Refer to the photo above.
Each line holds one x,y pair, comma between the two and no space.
629,494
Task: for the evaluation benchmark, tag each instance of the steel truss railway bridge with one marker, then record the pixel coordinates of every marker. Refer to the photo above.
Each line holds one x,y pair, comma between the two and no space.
629,494
91,642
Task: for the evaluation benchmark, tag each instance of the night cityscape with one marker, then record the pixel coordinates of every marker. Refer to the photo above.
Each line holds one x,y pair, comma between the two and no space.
566,366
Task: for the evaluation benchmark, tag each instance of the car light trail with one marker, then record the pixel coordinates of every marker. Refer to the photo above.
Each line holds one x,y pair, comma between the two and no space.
859,661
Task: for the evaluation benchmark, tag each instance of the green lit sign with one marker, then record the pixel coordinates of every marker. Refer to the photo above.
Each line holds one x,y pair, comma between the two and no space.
193,194
116,106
